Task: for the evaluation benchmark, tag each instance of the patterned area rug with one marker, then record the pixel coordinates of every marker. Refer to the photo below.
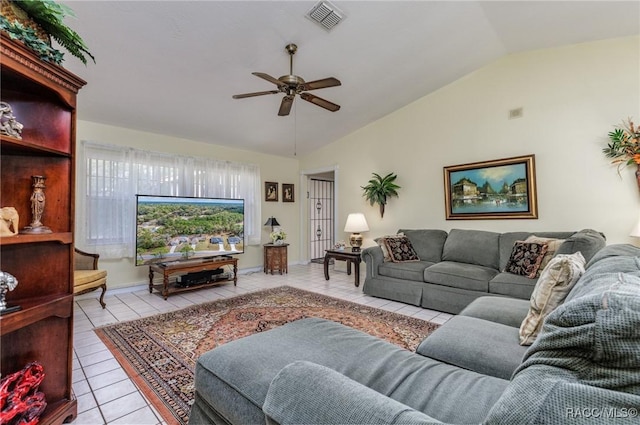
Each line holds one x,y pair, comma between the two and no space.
159,352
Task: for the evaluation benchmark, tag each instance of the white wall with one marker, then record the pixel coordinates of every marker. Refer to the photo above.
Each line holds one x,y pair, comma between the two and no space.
572,96
272,168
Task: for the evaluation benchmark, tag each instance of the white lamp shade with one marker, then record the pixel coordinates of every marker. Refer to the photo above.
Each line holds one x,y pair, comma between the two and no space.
356,223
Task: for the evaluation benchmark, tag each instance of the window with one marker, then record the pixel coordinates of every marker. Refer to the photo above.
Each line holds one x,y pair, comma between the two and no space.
115,174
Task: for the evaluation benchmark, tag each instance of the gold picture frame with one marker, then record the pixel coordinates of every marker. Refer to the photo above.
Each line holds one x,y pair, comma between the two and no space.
497,189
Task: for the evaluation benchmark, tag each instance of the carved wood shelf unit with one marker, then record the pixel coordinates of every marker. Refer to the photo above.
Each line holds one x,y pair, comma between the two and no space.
275,258
43,99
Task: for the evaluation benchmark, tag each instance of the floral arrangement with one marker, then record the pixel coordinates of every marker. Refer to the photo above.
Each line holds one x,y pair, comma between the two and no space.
340,245
624,147
278,235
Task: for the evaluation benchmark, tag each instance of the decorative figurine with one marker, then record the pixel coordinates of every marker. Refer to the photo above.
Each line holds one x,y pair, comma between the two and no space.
7,283
22,401
8,123
9,221
37,207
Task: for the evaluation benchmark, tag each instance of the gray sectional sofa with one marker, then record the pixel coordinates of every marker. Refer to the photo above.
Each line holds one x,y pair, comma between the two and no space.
584,367
457,267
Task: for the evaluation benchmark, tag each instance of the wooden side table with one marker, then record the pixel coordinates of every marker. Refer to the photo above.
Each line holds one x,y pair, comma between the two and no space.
345,255
275,258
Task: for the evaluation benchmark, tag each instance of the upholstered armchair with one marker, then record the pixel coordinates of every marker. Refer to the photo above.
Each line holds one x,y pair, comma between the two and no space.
86,276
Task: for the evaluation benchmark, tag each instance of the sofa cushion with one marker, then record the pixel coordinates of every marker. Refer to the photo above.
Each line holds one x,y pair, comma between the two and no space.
234,378
607,266
485,347
408,271
585,358
400,249
557,279
460,275
526,258
472,247
587,241
507,240
508,311
428,243
301,392
512,285
624,253
552,246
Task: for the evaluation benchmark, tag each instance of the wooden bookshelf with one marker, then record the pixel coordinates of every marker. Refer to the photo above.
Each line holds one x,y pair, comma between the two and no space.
43,99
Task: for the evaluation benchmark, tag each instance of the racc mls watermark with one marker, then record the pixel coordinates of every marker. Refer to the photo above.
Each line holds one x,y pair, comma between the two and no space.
585,413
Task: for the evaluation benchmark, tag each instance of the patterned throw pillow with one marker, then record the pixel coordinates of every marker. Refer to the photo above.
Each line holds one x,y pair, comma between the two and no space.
556,280
552,247
401,250
383,246
526,258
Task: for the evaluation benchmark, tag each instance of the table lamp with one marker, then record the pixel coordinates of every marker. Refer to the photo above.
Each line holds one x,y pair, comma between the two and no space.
356,223
271,221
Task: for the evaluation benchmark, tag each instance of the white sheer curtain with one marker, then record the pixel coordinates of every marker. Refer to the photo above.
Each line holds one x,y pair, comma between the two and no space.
116,174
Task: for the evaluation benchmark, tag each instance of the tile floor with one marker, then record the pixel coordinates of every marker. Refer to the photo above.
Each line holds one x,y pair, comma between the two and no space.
107,396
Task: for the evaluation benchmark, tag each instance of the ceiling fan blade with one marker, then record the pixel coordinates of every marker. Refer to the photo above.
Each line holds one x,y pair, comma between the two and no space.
285,105
320,102
321,84
258,93
269,78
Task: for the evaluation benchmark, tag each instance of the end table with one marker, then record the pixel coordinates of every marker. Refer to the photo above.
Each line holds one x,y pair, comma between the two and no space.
344,255
275,258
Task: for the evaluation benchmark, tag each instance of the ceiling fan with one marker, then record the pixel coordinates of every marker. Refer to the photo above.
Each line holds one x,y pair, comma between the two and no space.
291,85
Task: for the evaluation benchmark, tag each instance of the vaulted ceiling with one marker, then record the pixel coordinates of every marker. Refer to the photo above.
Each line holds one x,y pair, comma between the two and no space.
171,67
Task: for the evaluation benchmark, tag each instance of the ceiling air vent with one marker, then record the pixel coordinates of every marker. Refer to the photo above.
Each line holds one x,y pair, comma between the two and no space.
325,14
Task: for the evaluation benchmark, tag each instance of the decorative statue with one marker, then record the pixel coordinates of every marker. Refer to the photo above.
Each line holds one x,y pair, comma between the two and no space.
37,207
9,221
22,401
7,283
8,123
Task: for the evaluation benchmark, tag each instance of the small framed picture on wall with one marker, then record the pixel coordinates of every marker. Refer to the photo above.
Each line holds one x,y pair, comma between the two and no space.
288,194
271,191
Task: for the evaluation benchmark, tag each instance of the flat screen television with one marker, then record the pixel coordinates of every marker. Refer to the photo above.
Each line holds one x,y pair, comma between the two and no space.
174,228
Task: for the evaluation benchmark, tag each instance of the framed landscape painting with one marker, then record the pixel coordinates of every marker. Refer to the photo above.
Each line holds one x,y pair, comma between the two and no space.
502,188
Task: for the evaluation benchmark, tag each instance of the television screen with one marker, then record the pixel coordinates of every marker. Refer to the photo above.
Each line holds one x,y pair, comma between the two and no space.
171,228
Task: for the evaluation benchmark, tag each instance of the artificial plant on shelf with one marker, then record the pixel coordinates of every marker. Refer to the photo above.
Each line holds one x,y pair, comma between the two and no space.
624,146
49,16
379,189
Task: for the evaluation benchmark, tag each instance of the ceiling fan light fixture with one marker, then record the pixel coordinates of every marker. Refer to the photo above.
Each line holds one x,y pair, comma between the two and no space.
326,15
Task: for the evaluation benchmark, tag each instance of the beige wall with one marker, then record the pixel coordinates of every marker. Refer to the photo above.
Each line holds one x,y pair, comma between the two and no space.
272,168
572,96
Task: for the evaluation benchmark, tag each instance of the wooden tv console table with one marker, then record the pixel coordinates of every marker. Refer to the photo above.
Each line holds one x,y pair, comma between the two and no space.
191,266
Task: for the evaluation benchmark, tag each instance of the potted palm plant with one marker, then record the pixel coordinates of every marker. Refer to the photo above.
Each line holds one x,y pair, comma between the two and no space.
624,147
379,189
